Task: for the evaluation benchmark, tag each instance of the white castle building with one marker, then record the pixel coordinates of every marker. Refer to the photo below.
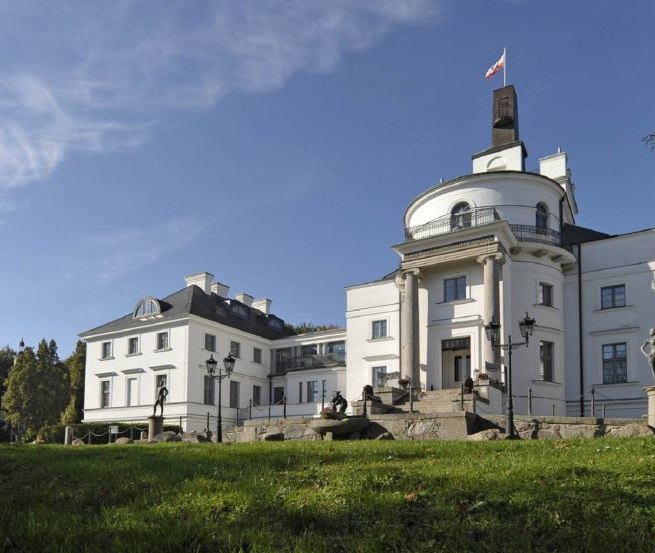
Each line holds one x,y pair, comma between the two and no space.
488,246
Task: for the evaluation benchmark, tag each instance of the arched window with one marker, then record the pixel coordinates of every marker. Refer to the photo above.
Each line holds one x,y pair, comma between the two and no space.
460,216
147,307
541,216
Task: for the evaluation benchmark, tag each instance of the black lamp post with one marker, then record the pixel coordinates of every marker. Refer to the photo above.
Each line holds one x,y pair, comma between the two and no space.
526,326
212,364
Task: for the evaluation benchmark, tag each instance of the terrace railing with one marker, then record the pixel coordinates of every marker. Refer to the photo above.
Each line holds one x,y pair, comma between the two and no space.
453,223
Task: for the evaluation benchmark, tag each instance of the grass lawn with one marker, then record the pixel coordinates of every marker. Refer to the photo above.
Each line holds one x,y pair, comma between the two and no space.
577,495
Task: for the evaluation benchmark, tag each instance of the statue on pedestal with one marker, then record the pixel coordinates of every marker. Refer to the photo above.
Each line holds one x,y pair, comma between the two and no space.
651,354
161,398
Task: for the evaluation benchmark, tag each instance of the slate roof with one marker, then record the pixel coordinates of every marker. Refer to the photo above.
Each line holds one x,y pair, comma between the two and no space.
193,301
574,234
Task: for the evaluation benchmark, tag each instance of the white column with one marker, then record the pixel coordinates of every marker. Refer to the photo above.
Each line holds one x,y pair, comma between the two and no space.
409,360
491,356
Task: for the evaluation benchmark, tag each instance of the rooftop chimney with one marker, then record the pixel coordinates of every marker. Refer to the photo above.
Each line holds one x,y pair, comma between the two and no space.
244,298
220,289
263,304
201,280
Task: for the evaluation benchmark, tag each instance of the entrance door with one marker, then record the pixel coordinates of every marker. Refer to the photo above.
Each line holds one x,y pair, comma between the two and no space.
455,361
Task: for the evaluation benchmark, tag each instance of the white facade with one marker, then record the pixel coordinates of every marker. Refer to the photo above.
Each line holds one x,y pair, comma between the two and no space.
488,246
128,360
494,245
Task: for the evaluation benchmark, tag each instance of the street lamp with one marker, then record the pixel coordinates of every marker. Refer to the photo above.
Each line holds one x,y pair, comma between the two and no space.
212,364
526,326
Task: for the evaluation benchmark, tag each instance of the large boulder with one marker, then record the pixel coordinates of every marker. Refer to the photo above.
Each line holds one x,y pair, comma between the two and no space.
124,440
167,436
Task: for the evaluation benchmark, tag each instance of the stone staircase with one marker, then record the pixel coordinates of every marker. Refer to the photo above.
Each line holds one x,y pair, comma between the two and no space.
436,401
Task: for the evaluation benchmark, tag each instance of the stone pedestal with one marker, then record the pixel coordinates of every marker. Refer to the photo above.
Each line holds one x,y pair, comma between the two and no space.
650,393
68,435
155,426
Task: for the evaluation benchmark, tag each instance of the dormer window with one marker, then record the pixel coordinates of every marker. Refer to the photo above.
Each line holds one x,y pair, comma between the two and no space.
460,216
541,217
147,307
239,310
275,324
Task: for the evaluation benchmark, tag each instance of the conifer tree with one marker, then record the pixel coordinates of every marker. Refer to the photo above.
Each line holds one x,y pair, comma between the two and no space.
38,389
75,364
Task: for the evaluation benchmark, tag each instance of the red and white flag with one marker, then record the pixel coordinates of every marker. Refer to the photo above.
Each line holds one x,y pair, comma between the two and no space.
496,66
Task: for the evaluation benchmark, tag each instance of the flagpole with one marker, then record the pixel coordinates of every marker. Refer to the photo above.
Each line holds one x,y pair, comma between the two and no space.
505,67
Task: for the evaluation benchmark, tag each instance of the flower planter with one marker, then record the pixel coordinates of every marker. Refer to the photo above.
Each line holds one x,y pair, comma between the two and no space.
340,427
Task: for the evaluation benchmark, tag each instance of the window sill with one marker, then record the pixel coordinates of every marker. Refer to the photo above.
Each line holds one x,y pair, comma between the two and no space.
133,354
381,339
551,307
621,384
550,383
209,350
610,309
455,302
162,349
106,358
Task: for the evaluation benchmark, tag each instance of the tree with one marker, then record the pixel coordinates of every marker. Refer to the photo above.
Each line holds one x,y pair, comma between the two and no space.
308,326
649,140
6,361
75,364
38,389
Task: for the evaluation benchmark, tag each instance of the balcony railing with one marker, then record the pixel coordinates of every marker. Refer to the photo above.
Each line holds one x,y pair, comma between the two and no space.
453,223
482,216
531,233
310,362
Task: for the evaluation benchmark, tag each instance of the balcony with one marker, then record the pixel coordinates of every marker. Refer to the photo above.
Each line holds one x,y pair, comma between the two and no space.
453,223
311,361
449,224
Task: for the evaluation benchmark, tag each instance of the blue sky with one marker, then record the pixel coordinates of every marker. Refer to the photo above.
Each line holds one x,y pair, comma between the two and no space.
276,144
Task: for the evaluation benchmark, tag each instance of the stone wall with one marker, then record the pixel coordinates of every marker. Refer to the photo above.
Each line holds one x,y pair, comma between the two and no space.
445,426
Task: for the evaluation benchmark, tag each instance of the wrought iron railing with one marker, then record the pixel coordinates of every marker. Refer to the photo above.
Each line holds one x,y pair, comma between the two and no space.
531,233
484,216
453,223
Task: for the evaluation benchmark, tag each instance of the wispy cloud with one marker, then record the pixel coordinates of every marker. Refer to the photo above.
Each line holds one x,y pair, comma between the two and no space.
119,253
87,76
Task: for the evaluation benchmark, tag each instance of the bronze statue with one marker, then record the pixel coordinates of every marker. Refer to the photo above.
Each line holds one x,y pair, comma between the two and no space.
339,403
650,355
161,398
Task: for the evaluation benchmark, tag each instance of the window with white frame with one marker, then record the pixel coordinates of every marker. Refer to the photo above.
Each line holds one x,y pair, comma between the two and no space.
106,350
379,329
210,342
208,395
454,288
162,341
132,392
546,360
105,394
257,355
235,349
256,395
379,376
612,296
234,394
312,391
615,363
545,295
278,395
132,346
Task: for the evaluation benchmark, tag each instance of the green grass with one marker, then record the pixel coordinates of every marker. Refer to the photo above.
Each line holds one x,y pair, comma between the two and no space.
593,495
